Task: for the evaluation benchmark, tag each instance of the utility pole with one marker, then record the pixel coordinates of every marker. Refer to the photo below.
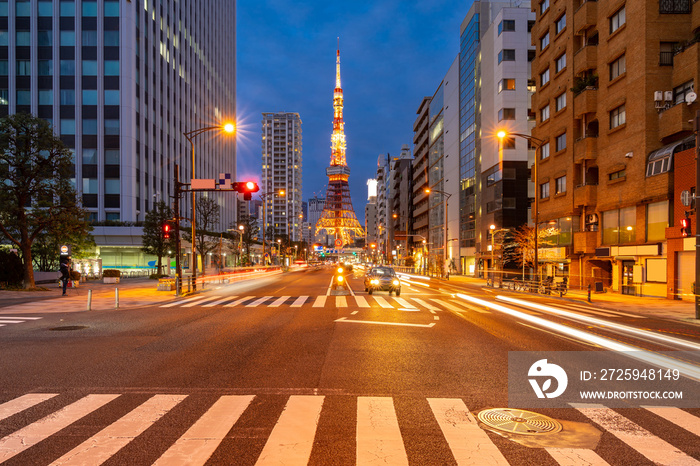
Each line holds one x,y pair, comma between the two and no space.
697,236
178,268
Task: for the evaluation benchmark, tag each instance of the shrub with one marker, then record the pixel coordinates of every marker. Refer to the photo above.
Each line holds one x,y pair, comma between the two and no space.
111,273
11,268
156,276
75,275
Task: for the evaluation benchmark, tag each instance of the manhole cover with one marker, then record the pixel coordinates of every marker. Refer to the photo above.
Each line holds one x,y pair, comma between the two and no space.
517,421
68,327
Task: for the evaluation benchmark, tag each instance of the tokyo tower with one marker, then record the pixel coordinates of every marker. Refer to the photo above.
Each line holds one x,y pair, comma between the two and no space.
338,217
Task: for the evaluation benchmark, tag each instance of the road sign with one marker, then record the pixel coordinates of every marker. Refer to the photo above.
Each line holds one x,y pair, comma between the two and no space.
267,255
65,250
338,242
685,198
224,180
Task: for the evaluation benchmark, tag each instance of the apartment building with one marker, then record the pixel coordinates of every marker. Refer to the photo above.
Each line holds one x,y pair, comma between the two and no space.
401,204
615,97
420,181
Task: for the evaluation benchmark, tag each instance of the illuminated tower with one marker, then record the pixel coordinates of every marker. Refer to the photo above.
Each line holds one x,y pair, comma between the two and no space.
338,218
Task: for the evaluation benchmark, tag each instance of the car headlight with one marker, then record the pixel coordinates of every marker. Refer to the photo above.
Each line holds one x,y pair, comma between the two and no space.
374,281
395,282
340,278
340,270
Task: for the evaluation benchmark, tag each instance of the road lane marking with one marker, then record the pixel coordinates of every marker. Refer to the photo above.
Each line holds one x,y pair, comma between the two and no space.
199,442
383,302
426,304
227,298
403,303
17,405
361,301
239,301
640,439
182,301
299,301
34,433
197,303
23,318
601,311
379,438
469,444
399,324
677,416
354,312
101,446
292,437
258,301
279,301
320,301
340,301
455,308
576,457
3,321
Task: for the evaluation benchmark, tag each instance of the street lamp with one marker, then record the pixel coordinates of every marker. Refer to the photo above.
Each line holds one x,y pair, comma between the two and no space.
446,198
190,135
263,197
493,248
502,134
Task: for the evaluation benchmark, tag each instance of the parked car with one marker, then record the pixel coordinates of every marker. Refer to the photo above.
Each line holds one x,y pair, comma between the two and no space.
382,279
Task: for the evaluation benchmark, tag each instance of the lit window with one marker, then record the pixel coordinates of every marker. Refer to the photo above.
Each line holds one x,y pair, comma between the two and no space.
506,85
560,185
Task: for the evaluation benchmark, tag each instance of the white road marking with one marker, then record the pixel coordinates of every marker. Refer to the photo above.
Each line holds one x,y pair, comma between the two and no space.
227,298
239,301
340,301
199,442
197,303
299,301
361,301
403,303
383,302
602,311
292,437
279,301
17,405
23,318
3,321
455,308
182,301
354,312
576,457
258,301
469,444
101,446
677,416
34,433
399,324
320,301
379,438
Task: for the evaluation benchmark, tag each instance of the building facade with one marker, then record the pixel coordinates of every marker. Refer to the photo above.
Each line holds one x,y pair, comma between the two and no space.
282,170
419,225
401,205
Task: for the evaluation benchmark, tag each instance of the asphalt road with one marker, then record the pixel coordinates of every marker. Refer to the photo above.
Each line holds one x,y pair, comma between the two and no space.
305,376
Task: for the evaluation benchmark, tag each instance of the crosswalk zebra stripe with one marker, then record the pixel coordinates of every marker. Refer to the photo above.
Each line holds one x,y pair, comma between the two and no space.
34,433
576,457
677,416
470,445
239,301
383,302
199,303
320,301
640,439
17,405
299,301
403,303
278,302
292,438
379,438
258,301
178,303
101,446
340,301
361,301
452,307
220,301
202,439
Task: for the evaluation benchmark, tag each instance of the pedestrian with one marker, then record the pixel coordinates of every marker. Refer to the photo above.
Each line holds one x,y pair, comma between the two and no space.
64,267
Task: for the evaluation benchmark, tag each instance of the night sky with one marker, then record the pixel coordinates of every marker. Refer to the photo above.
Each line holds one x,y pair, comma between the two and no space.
392,54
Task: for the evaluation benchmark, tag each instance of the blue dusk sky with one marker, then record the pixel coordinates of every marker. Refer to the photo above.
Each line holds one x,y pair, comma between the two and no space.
392,54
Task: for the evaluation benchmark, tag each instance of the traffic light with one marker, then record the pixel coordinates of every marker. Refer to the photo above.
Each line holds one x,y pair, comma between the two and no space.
246,187
685,226
166,230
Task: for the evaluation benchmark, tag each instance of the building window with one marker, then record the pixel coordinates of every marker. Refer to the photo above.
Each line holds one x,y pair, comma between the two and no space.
544,41
507,25
617,20
617,175
544,113
657,221
560,24
22,8
544,151
681,92
89,8
4,37
45,97
4,97
544,77
111,97
45,38
45,8
89,97
24,67
111,39
68,127
544,6
506,55
45,67
544,190
89,38
89,127
67,96
560,63
67,8
560,142
67,67
89,67
506,114
619,226
111,67
674,7
111,127
509,142
24,97
23,39
560,185
111,8
3,68
506,85
617,116
89,156
560,101
617,67
67,38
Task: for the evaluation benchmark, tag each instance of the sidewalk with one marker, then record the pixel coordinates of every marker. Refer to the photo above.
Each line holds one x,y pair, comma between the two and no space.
647,306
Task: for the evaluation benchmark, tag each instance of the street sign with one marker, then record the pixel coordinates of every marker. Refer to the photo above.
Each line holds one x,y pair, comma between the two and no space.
224,180
338,242
65,250
685,198
203,184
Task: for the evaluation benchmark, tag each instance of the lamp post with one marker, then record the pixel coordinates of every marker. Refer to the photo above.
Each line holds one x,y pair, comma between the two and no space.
190,135
493,260
446,197
239,230
538,145
263,197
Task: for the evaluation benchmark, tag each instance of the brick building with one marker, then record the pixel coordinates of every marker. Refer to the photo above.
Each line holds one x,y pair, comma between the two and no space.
614,99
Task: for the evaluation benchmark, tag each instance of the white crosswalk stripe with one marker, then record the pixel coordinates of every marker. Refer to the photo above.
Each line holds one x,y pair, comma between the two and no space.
320,301
361,301
340,301
300,301
258,301
383,302
278,302
239,301
219,301
294,433
426,304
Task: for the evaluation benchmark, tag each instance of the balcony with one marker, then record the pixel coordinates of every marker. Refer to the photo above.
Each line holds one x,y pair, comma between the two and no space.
585,149
586,195
586,16
585,242
676,119
586,59
586,101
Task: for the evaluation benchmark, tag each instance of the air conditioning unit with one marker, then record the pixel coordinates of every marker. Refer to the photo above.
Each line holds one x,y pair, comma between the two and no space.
658,96
668,96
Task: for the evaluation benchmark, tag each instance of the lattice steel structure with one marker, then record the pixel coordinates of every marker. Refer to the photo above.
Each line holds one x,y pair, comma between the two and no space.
338,218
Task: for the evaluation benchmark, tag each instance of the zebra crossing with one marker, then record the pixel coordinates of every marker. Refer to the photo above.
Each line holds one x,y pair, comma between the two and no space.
9,320
292,433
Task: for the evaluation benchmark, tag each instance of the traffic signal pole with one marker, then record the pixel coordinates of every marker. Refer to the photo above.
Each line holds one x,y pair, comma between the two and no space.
178,267
697,236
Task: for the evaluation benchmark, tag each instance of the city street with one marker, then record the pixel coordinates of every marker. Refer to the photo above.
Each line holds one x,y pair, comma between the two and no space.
283,370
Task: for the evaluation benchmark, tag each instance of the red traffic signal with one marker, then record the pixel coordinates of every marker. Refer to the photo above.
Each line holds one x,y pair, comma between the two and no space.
685,226
166,231
247,188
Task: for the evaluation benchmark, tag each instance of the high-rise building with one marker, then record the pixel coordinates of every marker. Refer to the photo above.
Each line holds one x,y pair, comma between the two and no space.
610,129
383,203
282,170
316,205
121,82
401,205
421,143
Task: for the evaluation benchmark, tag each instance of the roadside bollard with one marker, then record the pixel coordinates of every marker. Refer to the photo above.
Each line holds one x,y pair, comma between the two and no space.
177,286
89,303
116,298
589,292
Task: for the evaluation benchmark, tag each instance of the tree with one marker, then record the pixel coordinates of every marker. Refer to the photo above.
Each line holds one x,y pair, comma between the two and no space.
521,247
207,217
250,232
37,193
154,241
49,241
